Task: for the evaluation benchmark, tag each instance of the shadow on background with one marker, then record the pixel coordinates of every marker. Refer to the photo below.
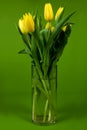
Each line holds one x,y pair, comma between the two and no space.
14,105
72,111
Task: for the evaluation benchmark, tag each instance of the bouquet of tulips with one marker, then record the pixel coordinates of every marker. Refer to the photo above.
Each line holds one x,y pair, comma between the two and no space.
45,43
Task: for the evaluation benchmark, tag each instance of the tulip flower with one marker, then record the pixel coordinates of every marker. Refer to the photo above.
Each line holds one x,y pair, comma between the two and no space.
49,26
48,12
26,24
59,11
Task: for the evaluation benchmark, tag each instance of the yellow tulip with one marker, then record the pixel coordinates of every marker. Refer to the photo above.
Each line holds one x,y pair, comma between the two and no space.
48,12
21,25
64,28
59,11
26,24
52,28
48,25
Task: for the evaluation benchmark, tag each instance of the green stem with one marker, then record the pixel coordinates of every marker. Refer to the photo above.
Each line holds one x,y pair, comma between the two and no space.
28,40
38,41
42,80
49,115
34,104
44,85
45,111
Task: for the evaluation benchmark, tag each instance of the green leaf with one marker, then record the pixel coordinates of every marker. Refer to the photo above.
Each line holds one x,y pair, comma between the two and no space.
58,46
35,51
19,30
45,35
27,40
38,39
52,38
40,23
22,52
58,28
25,51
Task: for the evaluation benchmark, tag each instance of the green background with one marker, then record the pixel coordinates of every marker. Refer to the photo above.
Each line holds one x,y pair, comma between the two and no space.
15,70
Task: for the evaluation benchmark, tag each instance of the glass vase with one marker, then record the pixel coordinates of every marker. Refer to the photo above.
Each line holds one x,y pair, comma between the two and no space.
44,96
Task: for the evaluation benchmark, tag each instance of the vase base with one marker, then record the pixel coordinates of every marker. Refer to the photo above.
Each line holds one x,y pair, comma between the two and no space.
39,120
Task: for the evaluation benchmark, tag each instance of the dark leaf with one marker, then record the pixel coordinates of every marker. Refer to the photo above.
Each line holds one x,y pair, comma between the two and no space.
25,51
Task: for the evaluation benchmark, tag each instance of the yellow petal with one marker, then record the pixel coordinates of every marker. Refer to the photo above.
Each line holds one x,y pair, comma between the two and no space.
21,25
29,23
48,12
64,28
52,28
48,25
59,11
26,24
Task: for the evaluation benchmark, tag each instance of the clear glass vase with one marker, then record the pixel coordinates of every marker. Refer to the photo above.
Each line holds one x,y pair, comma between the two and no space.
44,96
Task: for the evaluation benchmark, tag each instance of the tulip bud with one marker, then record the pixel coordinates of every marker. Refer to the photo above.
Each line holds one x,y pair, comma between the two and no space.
26,24
59,11
64,28
48,25
52,28
48,12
